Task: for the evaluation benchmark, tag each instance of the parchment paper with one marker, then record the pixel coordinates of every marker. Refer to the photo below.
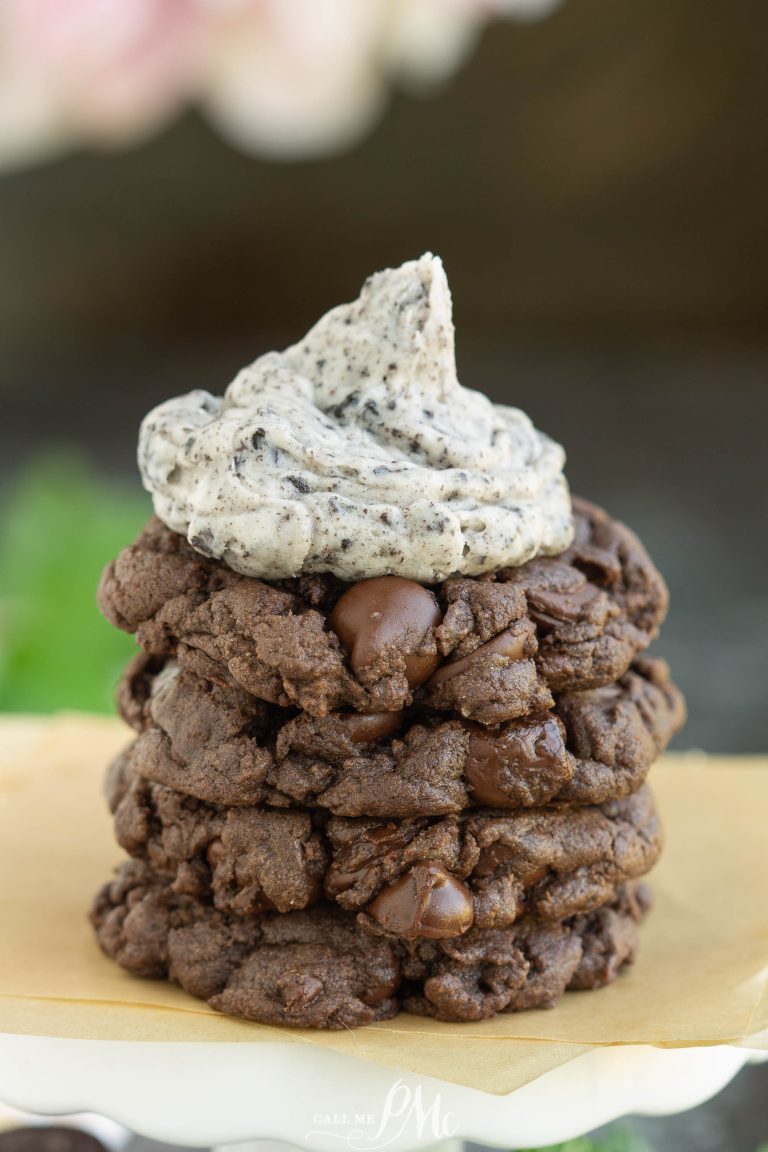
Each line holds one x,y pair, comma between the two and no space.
702,975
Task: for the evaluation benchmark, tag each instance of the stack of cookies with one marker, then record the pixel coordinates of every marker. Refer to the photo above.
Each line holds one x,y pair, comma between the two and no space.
351,798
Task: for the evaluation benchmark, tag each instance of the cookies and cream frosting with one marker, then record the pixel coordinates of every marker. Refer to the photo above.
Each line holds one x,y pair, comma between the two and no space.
357,451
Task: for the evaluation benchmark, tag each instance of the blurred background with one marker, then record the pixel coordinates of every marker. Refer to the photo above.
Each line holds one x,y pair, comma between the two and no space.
185,184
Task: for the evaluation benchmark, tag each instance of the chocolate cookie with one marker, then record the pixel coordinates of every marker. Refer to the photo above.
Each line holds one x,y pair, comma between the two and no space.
491,648
226,747
419,877
527,966
318,969
255,858
314,969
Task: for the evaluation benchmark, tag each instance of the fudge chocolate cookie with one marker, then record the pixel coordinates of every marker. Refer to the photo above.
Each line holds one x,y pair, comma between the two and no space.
211,742
490,648
527,966
318,969
421,879
315,970
254,858
414,878
594,607
226,747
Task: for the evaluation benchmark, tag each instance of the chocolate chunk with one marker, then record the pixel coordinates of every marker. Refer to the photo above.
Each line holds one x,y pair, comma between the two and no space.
299,990
388,613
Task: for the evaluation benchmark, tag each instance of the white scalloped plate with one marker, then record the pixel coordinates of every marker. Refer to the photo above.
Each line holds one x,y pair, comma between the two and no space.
201,1094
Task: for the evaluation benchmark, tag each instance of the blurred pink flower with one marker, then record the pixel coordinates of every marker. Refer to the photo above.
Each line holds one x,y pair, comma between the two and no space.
281,77
96,69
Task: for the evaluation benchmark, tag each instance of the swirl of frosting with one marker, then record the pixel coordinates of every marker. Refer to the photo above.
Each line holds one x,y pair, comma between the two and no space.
357,451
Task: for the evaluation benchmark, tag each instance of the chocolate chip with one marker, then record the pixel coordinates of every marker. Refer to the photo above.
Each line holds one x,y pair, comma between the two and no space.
373,845
531,744
551,607
364,728
534,877
494,858
299,990
491,859
426,903
383,988
508,645
389,612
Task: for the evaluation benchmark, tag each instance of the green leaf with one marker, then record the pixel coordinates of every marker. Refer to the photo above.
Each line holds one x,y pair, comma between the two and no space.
60,525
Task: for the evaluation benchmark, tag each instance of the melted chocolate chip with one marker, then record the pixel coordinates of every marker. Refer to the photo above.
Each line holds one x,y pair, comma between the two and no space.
531,744
370,847
426,903
509,645
494,858
551,607
388,612
491,859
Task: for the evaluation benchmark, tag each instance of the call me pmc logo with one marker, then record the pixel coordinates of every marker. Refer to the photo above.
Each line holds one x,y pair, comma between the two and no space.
404,1112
